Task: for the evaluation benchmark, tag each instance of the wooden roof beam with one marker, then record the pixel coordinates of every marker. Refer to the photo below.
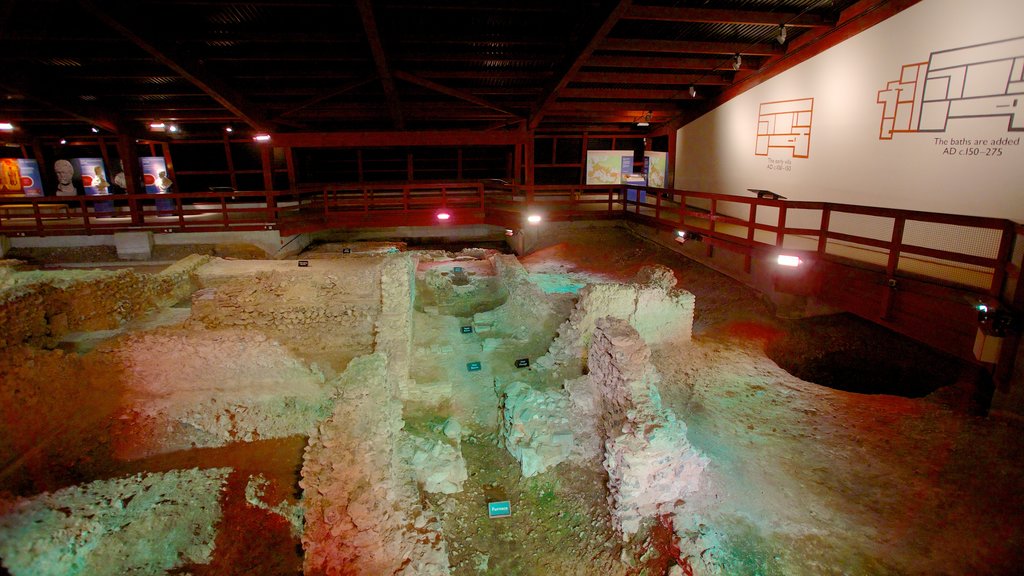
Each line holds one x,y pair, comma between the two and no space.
194,72
665,62
596,40
348,87
723,16
381,62
461,95
693,47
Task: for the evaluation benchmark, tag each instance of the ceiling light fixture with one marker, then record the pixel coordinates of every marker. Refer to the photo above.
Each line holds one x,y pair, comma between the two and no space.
172,128
63,141
790,261
533,218
261,138
737,62
782,34
693,91
442,216
229,129
645,121
95,130
157,126
6,126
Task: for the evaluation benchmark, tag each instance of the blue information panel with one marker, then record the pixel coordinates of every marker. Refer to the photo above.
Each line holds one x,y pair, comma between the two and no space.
501,509
473,366
457,269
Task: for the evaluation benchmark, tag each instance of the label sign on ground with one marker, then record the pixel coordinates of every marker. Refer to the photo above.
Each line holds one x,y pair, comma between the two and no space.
501,509
473,366
457,269
346,250
523,363
467,329
303,263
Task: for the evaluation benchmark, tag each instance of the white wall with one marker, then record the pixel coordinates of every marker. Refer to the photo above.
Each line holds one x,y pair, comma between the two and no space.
847,161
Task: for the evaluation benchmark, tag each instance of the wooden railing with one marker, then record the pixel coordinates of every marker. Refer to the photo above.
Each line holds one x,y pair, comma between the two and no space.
963,250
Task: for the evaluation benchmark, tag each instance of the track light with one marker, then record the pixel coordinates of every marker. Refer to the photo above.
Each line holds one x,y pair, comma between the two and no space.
693,91
534,218
229,129
737,62
261,138
443,216
782,34
646,120
95,130
790,261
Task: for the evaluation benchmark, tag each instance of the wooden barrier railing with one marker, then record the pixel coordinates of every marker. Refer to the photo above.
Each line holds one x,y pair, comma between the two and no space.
901,242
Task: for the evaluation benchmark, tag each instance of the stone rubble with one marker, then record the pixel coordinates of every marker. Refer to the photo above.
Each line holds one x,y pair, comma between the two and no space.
535,427
143,524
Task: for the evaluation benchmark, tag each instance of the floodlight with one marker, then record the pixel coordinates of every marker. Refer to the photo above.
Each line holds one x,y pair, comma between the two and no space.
442,216
534,218
791,261
261,138
6,126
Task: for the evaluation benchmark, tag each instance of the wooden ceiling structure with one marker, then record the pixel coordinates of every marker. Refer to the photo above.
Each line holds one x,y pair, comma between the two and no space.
316,67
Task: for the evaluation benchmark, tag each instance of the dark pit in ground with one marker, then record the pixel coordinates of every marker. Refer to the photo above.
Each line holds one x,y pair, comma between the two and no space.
848,353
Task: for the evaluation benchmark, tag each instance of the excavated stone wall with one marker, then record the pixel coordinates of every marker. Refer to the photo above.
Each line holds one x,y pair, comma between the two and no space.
651,464
145,524
363,514
326,312
203,388
535,427
393,329
39,307
659,313
524,313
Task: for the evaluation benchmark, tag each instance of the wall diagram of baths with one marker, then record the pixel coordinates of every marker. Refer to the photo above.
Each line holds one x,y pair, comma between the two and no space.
965,101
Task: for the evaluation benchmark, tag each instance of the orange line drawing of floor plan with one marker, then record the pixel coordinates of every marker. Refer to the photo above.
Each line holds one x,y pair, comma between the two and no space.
786,125
977,81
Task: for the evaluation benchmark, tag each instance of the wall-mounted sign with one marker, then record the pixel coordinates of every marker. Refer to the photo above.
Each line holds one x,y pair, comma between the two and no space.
501,509
154,177
467,329
31,180
523,363
94,181
10,176
473,366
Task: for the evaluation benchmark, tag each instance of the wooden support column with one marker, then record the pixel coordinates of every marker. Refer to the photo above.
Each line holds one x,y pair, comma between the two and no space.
268,181
132,175
290,162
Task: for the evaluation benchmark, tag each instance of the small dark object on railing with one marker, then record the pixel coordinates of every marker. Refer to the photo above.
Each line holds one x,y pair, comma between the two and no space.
766,194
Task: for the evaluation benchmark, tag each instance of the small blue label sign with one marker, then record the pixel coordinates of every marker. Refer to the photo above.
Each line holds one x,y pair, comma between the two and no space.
501,509
457,269
523,363
473,366
467,329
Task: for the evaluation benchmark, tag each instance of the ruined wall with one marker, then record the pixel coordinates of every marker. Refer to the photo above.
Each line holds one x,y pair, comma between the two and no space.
39,307
535,427
363,514
526,311
393,330
659,313
326,313
144,524
203,388
650,463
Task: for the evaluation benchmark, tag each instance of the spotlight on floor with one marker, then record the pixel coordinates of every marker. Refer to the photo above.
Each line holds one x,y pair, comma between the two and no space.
534,218
510,232
790,261
686,236
443,216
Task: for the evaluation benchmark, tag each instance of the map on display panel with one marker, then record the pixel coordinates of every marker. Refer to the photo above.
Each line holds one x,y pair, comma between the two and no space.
785,125
979,81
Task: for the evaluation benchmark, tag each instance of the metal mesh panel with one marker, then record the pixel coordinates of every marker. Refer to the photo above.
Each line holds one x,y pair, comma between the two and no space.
800,242
958,272
1018,250
803,218
857,252
768,215
875,227
983,242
